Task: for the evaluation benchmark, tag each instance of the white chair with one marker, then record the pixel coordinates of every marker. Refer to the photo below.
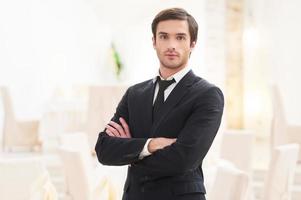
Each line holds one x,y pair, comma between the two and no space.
102,104
280,176
99,103
78,141
25,178
80,181
18,135
282,132
237,147
230,183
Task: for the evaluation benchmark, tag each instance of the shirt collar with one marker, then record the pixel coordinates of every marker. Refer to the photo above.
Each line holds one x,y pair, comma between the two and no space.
177,76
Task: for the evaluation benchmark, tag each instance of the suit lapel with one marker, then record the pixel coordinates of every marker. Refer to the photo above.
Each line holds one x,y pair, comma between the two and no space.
147,100
175,96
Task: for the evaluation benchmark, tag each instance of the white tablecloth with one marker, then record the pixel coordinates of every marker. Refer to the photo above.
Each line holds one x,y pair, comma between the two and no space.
25,179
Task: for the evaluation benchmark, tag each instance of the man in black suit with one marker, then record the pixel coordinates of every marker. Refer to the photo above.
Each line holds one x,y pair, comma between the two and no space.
164,127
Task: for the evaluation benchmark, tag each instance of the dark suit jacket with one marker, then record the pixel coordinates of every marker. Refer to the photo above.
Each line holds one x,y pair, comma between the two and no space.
192,113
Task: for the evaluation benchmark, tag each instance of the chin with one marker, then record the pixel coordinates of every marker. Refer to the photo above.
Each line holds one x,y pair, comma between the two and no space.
172,66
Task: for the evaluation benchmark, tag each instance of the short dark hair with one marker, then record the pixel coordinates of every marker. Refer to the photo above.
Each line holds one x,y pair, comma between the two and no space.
177,14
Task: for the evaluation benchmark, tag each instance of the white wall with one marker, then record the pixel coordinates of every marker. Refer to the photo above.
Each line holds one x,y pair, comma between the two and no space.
282,20
49,44
45,44
272,56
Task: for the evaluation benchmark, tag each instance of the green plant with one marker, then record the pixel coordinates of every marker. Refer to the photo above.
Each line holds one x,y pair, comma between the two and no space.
117,61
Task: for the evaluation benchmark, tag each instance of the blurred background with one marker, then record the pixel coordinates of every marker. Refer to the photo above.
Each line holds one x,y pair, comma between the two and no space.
64,66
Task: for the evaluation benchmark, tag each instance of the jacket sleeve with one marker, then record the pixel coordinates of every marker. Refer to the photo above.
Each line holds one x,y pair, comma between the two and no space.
119,151
193,141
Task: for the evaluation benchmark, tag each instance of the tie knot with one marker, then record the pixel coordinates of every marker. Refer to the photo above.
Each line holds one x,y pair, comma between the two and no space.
163,84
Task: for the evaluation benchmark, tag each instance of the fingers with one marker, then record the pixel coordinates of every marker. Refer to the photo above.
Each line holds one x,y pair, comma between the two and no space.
125,127
119,128
109,133
160,143
113,131
119,131
167,142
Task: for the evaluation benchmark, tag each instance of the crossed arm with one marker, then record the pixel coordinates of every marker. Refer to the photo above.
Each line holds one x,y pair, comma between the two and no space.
169,156
122,131
116,146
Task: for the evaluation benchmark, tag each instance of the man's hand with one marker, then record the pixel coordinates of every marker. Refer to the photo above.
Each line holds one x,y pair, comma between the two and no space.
115,130
160,143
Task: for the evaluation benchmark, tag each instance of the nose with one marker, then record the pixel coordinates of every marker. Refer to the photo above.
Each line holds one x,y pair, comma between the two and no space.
171,46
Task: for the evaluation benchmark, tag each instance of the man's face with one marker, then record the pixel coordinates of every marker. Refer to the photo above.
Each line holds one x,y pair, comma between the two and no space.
172,43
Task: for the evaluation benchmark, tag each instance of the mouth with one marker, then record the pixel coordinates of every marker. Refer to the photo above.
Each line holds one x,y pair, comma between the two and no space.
171,55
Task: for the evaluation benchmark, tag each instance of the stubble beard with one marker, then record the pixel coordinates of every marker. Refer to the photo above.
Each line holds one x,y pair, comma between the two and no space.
173,66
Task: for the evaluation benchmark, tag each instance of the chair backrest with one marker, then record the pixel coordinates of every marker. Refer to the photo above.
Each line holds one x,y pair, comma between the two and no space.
103,101
9,125
78,141
281,171
278,125
237,147
9,116
25,178
7,102
230,184
77,174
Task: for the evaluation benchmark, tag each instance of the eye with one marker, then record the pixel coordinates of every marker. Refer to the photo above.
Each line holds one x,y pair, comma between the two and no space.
163,37
181,37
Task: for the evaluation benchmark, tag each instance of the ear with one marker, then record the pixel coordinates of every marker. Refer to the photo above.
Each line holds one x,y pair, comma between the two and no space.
192,45
154,42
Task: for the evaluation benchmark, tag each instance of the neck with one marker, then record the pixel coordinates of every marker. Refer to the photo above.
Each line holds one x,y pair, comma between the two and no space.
167,72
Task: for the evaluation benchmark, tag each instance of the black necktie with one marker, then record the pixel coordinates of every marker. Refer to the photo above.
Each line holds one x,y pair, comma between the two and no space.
159,102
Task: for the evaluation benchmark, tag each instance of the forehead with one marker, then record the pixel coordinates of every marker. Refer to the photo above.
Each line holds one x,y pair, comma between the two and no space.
173,27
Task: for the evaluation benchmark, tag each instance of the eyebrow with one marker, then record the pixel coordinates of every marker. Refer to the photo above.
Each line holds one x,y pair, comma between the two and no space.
164,33
184,34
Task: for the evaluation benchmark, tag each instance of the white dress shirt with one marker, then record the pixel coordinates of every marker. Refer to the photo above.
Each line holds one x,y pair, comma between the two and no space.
177,77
